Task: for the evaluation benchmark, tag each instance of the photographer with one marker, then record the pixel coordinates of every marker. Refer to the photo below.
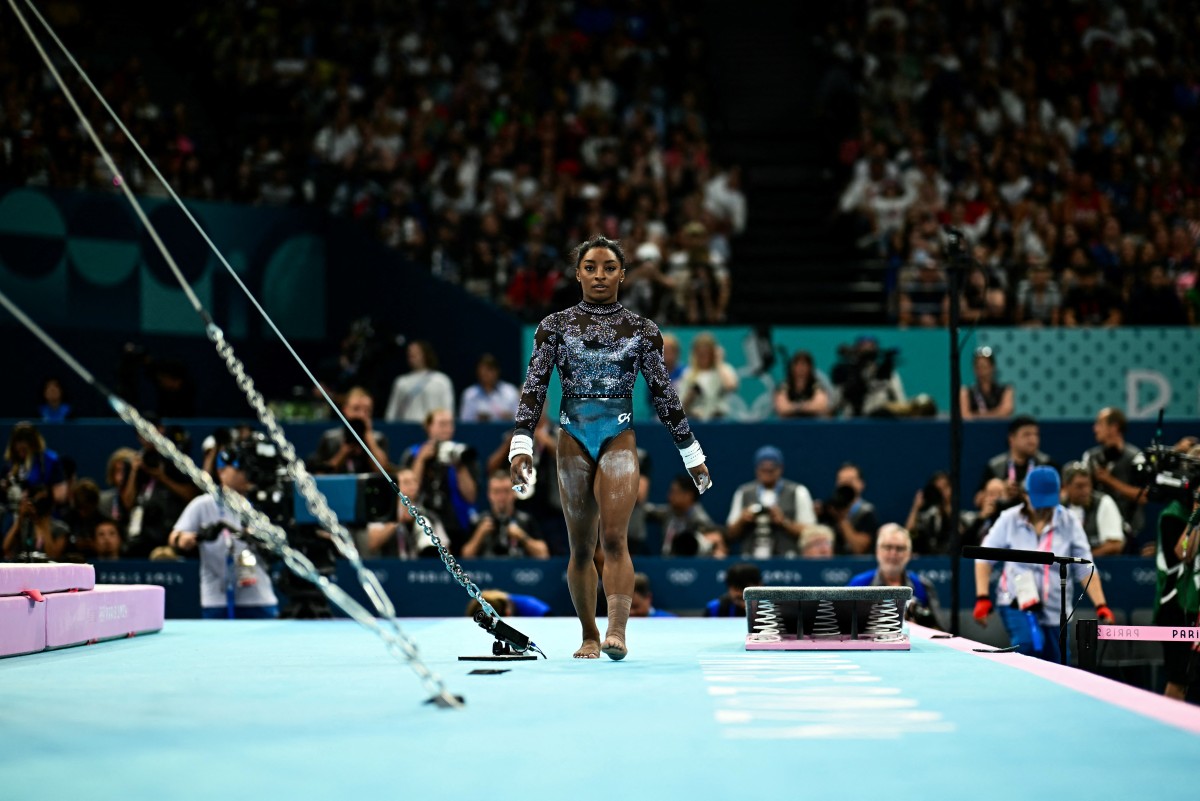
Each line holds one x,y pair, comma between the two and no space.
769,514
445,471
1177,601
30,465
402,538
866,380
34,535
1114,466
687,530
154,493
850,515
339,452
231,575
505,530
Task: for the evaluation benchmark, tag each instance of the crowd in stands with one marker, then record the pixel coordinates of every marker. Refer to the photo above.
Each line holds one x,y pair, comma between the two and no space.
467,498
481,144
1060,139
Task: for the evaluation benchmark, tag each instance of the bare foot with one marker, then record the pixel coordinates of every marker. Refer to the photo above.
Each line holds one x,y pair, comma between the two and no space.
614,648
589,650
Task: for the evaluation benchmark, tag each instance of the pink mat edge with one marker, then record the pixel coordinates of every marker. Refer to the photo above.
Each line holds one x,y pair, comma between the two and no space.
1143,702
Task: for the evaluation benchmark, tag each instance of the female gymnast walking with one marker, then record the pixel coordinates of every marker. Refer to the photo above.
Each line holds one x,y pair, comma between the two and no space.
598,347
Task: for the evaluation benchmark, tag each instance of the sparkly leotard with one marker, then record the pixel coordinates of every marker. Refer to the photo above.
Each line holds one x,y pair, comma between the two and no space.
599,350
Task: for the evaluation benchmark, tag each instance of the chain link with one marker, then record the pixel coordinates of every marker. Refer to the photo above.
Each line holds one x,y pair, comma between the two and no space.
399,644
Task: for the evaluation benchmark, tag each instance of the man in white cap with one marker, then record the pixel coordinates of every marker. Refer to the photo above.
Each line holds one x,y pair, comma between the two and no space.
1029,597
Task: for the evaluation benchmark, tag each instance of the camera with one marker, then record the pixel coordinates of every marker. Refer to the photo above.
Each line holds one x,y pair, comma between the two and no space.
859,370
842,498
450,452
14,490
1167,474
152,459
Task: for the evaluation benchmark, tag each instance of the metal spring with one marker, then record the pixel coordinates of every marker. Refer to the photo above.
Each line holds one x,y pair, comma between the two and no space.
883,622
826,625
768,625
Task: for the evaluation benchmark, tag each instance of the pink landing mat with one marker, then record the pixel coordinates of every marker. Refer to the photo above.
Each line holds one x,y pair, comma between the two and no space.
18,578
22,626
109,610
1160,708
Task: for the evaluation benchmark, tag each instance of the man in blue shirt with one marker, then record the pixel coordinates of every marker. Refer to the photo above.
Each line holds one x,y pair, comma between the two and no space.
893,549
1028,597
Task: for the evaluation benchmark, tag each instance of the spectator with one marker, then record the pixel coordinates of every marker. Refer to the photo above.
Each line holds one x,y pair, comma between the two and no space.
923,294
643,597
848,513
1027,600
1113,463
707,381
699,279
81,518
489,398
115,475
445,471
768,515
34,535
645,284
403,538
801,393
738,577
986,399
893,549
1095,511
1090,302
339,451
1039,301
504,530
106,541
816,542
30,463
671,360
1012,465
421,390
1155,301
54,407
687,530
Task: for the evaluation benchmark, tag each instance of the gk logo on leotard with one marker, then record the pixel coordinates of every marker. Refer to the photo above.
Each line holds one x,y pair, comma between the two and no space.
624,417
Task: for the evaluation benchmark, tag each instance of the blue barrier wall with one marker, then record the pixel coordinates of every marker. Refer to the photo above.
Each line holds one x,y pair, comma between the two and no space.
424,588
896,456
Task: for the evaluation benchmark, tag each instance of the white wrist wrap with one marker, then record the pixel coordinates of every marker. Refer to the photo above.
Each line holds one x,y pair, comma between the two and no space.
692,455
522,444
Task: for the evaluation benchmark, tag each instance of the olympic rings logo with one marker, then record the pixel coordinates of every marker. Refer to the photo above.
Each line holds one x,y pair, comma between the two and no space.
835,576
681,577
527,577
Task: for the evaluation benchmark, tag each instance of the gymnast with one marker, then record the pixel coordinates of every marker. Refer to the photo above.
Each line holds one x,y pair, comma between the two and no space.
598,347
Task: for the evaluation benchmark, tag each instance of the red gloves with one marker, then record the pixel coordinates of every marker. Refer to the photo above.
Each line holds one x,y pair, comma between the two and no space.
983,608
1104,614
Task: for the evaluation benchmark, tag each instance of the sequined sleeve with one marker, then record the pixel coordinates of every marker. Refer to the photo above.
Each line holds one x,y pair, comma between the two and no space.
662,392
537,376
